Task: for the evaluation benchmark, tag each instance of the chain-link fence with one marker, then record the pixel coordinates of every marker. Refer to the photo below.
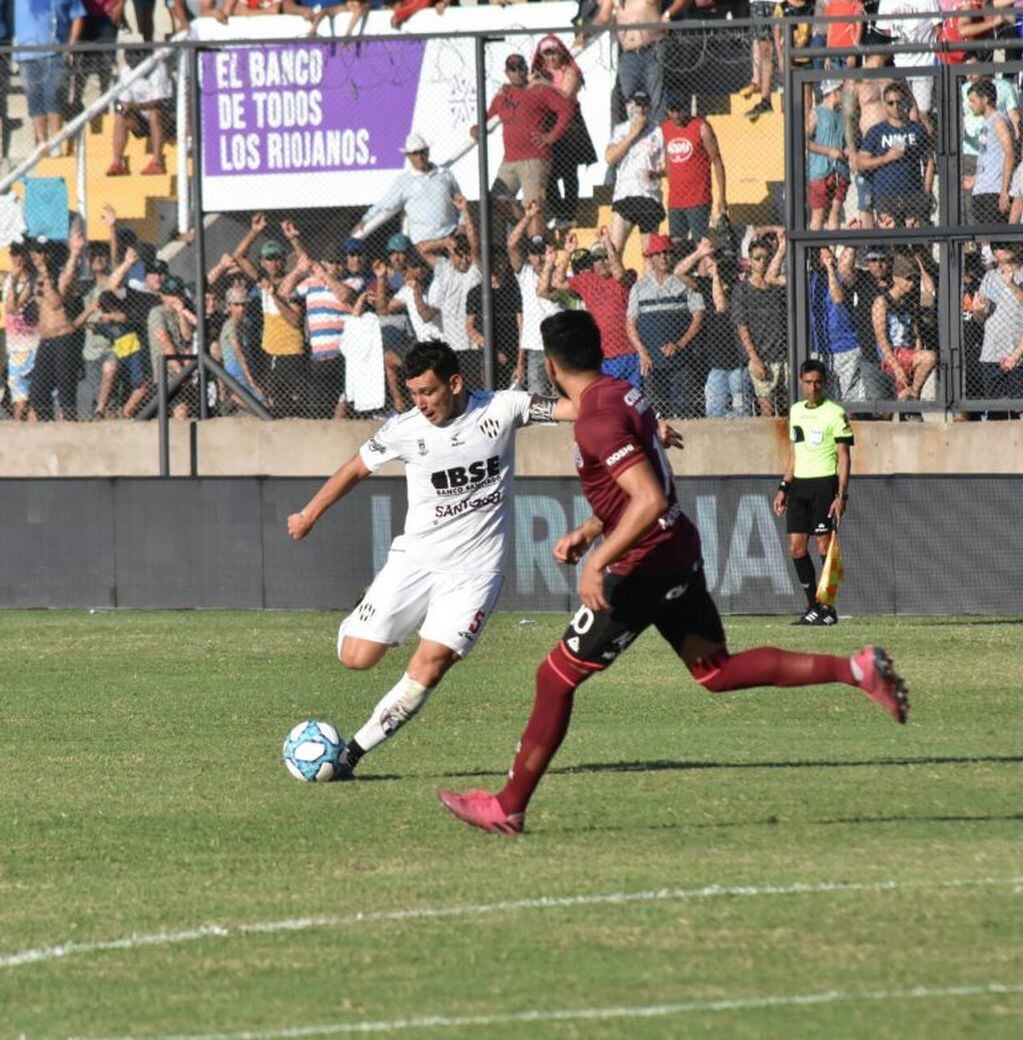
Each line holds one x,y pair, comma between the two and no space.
726,196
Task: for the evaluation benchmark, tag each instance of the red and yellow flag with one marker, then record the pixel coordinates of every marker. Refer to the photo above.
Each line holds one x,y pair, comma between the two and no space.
831,574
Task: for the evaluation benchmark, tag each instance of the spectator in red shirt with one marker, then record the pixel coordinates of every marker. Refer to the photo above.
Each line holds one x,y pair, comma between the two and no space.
533,116
690,154
601,281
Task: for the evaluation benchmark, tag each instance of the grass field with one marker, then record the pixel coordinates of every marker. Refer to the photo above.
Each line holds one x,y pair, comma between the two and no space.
769,864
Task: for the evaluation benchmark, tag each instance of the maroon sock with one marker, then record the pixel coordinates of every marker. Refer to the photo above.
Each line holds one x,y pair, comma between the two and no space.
556,681
769,666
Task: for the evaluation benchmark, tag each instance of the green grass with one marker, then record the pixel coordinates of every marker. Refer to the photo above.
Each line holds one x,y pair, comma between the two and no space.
142,792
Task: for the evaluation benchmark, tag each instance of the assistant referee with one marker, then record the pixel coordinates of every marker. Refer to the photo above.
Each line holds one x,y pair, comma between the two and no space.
815,488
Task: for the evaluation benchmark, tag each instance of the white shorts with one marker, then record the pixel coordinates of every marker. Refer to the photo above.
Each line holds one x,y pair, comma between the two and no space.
451,607
157,86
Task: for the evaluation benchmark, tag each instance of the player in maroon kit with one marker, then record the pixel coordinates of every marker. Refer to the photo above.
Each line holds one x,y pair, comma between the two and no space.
646,571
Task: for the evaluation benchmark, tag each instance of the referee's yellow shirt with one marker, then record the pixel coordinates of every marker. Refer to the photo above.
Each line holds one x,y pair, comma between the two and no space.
815,434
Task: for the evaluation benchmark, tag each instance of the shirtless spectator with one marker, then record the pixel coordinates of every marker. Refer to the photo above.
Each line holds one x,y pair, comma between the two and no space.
641,61
863,108
58,357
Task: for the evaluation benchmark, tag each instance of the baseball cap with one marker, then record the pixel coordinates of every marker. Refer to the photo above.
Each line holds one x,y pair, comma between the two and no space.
515,61
271,249
537,244
154,265
353,246
828,86
172,286
640,97
877,253
399,243
598,251
658,244
415,143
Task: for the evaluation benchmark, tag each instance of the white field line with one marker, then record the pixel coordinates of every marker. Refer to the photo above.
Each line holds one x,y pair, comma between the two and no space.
602,1014
42,954
301,924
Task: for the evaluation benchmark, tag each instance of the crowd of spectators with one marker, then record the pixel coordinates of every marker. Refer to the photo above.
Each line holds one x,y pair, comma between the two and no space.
701,322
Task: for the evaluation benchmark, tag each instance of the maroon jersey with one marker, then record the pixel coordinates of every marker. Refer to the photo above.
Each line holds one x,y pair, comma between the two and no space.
615,430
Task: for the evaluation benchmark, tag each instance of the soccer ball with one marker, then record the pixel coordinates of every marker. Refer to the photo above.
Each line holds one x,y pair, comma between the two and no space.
312,751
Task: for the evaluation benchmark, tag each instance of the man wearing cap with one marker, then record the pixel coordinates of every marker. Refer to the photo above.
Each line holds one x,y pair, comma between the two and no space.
827,165
424,193
664,318
604,290
395,330
690,154
635,149
533,116
529,266
897,330
283,344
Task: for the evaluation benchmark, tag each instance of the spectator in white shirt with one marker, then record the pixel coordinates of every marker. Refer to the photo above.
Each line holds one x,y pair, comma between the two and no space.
528,266
455,261
636,149
425,193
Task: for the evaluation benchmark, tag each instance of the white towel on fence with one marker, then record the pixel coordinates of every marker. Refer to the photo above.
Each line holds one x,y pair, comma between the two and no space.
12,220
363,348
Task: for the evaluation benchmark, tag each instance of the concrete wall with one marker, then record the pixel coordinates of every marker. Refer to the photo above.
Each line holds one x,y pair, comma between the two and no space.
296,447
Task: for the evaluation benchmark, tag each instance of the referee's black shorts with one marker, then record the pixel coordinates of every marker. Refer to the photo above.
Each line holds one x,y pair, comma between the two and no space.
808,501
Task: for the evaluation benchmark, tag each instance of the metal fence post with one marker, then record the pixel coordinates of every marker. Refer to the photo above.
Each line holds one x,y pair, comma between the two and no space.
199,237
484,211
162,423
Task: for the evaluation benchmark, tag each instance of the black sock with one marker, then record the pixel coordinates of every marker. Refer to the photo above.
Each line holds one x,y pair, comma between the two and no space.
807,578
353,752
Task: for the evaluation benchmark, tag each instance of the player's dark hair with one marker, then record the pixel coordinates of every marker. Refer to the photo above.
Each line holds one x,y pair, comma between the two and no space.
432,354
813,365
572,339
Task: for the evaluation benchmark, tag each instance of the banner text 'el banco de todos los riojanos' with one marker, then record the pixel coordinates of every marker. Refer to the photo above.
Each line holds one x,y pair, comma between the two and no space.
305,123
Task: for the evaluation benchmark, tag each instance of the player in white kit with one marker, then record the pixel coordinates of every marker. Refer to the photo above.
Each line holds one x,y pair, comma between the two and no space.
444,573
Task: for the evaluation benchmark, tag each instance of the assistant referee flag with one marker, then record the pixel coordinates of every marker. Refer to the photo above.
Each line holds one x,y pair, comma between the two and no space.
831,573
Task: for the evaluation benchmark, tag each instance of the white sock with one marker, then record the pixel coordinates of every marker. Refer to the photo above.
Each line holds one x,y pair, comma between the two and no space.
402,702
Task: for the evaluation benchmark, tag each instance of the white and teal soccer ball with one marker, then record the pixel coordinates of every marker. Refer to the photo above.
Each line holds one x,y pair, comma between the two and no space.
312,751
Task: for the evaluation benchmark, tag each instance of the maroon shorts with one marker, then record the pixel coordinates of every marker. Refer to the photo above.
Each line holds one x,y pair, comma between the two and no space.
826,190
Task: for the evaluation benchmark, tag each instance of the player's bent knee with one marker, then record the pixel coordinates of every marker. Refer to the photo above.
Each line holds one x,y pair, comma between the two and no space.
709,672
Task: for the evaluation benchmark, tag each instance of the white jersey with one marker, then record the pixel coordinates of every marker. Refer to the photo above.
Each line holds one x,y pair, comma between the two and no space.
459,480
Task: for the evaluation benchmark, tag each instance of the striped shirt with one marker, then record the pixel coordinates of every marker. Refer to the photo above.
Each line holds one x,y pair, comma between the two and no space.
325,318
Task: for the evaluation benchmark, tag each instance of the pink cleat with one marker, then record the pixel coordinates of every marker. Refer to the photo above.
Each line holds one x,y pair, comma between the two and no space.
482,809
880,682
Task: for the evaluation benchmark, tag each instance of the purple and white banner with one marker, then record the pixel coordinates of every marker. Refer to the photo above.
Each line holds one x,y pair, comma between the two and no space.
289,121
304,124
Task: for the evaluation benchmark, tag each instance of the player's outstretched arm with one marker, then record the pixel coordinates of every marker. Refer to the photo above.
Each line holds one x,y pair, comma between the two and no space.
334,488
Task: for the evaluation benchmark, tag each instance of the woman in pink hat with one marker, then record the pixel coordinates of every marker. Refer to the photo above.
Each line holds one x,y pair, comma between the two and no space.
554,66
